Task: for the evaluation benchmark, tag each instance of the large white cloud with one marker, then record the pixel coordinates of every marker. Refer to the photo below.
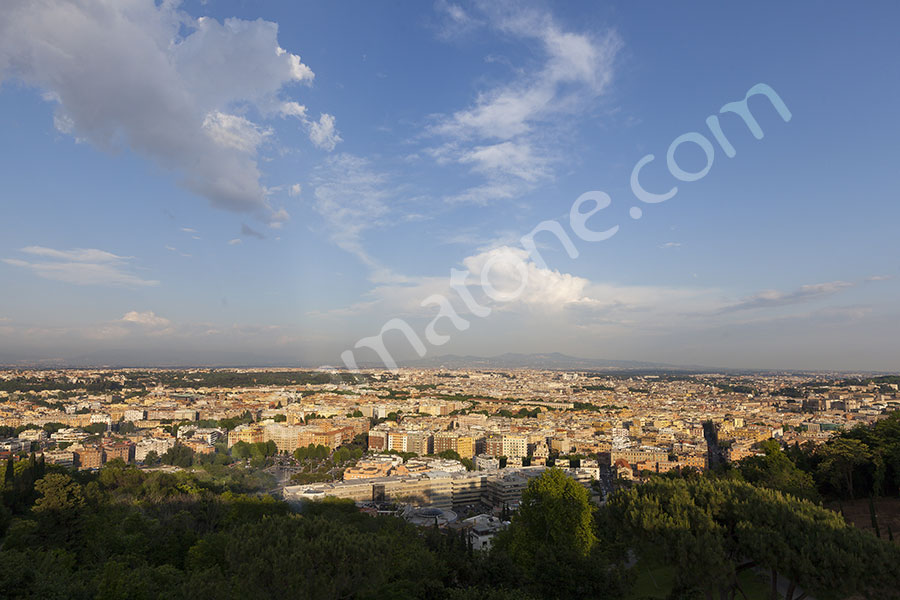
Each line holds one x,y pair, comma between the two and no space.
147,76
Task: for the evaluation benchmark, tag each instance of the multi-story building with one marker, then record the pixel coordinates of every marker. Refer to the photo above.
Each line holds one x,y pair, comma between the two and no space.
286,437
119,449
250,433
33,435
151,444
493,445
378,440
465,446
68,436
134,414
89,457
60,457
515,446
397,441
419,442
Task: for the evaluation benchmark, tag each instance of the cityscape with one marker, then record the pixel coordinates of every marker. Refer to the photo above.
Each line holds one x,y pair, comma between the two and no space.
449,300
454,449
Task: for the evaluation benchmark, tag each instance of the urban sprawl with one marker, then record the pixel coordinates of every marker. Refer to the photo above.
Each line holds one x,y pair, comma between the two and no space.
436,442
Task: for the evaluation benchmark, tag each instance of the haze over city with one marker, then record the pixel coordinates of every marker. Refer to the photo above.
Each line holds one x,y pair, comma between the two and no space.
230,183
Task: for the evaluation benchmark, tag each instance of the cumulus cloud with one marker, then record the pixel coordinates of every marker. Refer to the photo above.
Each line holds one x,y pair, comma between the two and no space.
323,134
514,277
506,279
296,189
147,76
81,266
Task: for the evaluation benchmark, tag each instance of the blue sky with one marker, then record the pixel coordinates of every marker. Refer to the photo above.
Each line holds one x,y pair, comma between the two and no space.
267,183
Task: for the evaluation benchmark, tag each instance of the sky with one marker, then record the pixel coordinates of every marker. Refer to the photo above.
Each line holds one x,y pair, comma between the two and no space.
269,183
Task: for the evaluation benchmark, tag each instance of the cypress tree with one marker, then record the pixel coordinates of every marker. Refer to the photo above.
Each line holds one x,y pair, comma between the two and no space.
10,470
874,516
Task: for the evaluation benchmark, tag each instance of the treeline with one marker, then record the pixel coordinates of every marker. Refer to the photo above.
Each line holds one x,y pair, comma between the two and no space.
31,384
226,379
124,532
859,463
862,462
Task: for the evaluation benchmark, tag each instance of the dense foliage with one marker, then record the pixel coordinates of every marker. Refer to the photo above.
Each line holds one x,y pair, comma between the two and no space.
208,532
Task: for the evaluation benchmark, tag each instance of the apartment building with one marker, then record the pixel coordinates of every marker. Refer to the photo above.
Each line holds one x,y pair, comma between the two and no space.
120,449
250,433
89,457
515,446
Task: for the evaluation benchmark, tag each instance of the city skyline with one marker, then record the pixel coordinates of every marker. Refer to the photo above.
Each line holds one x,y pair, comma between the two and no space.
229,184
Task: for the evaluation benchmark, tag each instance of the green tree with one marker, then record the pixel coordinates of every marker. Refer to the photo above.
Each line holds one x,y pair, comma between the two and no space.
551,544
58,492
555,512
240,450
840,458
711,529
776,471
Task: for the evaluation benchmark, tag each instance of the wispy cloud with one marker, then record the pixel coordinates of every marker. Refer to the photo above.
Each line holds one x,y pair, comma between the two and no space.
775,298
352,197
81,266
250,232
506,135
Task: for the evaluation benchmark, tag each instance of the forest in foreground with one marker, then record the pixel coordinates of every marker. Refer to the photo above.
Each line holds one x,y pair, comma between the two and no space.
758,529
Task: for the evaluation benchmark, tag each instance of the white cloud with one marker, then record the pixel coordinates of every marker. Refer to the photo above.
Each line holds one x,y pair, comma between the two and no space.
457,21
507,135
77,255
147,76
323,134
81,267
572,303
351,197
235,132
235,242
147,318
511,267
296,189
511,158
